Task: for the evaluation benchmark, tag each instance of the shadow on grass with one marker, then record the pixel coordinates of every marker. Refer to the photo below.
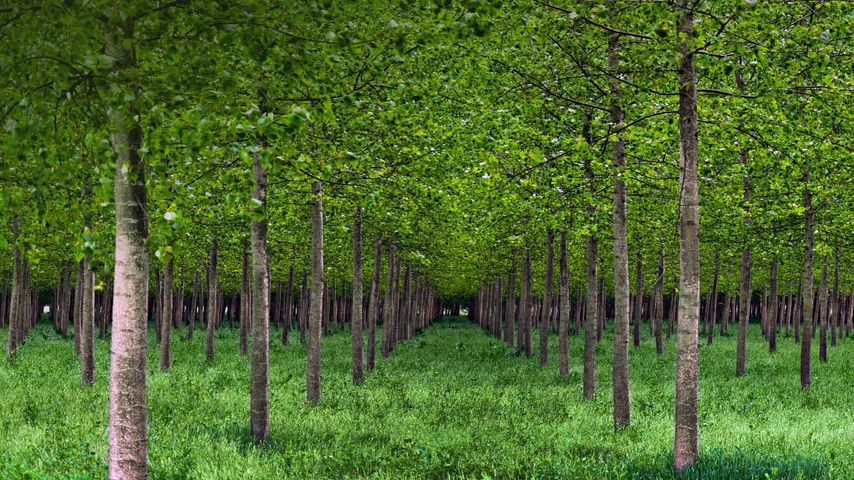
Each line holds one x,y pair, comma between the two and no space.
722,465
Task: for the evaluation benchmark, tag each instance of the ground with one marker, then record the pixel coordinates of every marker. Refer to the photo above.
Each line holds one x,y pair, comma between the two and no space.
451,403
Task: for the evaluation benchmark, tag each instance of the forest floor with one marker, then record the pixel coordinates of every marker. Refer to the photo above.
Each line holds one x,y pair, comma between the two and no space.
451,403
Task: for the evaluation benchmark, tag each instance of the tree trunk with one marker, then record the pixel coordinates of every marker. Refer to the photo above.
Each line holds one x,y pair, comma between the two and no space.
638,309
563,328
78,308
388,304
807,288
4,299
288,308
510,309
166,319
713,307
772,308
744,293
822,313
259,397
194,302
589,384
658,294
356,318
245,303
16,295
834,302
316,308
686,439
547,299
128,442
374,303
620,365
212,310
525,306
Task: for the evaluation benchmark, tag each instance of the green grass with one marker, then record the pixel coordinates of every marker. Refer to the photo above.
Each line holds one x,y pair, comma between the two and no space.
451,403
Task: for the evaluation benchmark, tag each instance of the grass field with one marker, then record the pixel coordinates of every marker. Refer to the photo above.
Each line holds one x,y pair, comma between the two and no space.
451,403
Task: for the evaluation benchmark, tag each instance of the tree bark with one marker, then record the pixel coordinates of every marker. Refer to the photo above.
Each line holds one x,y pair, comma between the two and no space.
822,313
245,303
713,307
772,308
78,308
686,439
15,300
563,327
589,383
316,308
744,287
834,301
374,303
658,295
166,319
388,304
638,309
212,308
356,318
259,397
510,309
525,305
620,365
194,302
547,299
807,288
288,307
128,442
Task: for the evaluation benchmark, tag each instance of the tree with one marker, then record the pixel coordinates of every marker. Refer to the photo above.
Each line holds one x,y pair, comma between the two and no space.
686,445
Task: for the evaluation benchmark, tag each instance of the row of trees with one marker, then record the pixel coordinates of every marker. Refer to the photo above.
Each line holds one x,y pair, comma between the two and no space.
232,151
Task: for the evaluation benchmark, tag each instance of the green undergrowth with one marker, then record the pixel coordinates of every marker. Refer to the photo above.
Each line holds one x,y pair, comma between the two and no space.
451,403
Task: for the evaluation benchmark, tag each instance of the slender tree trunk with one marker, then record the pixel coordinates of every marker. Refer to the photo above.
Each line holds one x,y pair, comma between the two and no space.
686,439
158,302
671,312
316,308
772,308
638,309
589,383
547,299
510,309
374,303
620,364
834,324
288,310
193,306
356,319
4,299
245,303
807,289
744,288
563,328
259,396
128,441
659,302
212,310
303,307
15,302
388,304
822,313
713,296
78,308
166,319
525,302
